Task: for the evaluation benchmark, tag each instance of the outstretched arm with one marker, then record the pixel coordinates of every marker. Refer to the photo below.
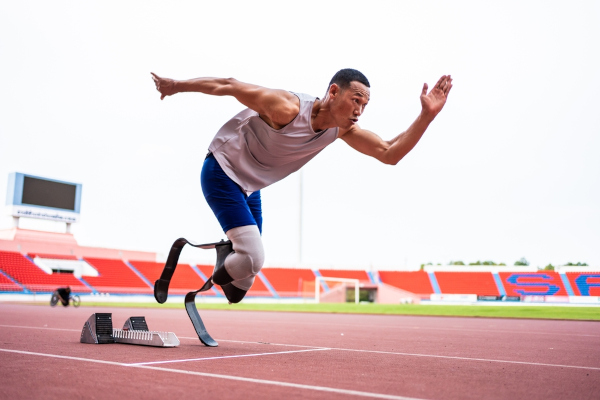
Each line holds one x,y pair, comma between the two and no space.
392,151
277,107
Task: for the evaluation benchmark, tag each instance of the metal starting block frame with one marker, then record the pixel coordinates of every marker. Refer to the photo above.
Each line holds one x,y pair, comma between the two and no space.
146,338
98,330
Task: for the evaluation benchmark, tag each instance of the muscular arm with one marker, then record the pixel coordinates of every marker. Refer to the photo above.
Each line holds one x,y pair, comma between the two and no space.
387,151
392,151
276,107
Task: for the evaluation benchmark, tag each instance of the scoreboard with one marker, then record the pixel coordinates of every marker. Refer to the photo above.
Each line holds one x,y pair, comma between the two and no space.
32,196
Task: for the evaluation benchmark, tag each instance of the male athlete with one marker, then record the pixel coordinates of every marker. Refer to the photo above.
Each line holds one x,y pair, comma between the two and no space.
276,135
64,294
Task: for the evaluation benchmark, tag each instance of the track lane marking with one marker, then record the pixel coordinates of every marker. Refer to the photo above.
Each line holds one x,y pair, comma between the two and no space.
223,357
289,385
71,358
263,343
220,376
424,355
413,327
365,351
472,359
40,327
378,326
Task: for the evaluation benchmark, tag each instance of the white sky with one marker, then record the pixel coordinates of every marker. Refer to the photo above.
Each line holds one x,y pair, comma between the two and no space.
509,169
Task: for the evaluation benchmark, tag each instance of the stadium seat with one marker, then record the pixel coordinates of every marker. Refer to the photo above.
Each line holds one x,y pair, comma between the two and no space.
19,268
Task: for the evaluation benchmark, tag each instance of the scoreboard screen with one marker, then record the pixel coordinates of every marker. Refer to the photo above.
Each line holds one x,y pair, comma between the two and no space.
36,197
45,193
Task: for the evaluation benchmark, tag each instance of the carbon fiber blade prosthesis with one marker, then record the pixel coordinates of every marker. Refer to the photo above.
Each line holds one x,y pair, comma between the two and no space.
161,286
190,307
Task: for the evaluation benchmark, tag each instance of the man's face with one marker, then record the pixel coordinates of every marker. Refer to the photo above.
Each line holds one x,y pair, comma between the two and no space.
349,104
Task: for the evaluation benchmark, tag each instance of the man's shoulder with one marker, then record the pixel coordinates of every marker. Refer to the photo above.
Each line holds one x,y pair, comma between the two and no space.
304,96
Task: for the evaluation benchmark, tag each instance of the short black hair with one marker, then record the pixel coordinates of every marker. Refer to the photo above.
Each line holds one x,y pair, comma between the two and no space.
344,76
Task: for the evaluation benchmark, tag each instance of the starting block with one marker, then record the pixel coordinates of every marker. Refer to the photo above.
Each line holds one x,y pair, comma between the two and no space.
98,329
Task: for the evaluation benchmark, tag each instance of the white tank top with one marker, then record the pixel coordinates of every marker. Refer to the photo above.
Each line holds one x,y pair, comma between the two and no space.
254,155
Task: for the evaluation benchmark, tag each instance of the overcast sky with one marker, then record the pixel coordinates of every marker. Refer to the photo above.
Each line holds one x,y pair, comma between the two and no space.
509,169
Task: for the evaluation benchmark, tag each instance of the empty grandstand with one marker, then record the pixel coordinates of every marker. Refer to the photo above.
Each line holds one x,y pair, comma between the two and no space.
39,262
34,261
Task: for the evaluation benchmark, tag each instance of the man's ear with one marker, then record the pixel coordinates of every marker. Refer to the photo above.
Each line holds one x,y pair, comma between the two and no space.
334,90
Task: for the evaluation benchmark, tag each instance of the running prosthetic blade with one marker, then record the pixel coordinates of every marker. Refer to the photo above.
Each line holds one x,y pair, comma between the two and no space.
190,307
161,286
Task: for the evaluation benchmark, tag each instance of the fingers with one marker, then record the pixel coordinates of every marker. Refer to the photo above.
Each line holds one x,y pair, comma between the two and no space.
447,88
440,83
444,84
447,85
424,91
156,80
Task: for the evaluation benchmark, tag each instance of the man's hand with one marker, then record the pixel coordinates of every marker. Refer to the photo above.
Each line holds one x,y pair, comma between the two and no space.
434,101
165,86
392,151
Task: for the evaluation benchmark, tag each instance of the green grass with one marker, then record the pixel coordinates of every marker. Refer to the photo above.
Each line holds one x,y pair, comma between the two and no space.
521,311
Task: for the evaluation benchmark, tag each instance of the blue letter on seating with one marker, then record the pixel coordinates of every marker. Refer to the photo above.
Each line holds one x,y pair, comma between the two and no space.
550,289
583,285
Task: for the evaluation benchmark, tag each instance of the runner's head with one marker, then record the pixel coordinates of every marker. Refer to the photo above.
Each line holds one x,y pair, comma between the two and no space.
343,77
348,94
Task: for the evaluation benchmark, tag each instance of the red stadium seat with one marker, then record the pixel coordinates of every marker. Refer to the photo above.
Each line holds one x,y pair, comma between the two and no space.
184,280
19,268
412,281
116,277
288,282
479,283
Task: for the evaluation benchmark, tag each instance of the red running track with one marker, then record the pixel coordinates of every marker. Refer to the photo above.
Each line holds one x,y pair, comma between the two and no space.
272,355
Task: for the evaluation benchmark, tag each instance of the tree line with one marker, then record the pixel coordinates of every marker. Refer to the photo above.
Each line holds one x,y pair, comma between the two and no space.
521,262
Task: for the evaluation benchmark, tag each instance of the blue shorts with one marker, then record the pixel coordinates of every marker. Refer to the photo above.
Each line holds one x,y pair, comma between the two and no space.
230,204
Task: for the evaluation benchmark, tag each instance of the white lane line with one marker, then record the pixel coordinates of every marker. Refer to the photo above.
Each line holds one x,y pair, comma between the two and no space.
223,357
229,377
378,326
289,385
31,353
40,327
426,355
427,328
370,351
473,359
265,343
